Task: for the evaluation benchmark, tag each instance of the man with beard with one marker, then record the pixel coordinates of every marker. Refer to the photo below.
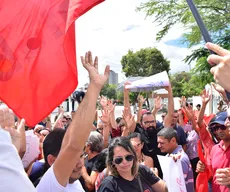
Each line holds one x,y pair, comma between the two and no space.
148,129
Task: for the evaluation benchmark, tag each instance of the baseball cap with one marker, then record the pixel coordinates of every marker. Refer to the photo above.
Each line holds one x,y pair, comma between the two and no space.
220,118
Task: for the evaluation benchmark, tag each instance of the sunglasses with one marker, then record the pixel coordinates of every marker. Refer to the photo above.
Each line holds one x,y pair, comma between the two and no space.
217,127
118,160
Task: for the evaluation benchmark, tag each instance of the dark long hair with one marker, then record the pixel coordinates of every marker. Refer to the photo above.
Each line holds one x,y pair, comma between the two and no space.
125,143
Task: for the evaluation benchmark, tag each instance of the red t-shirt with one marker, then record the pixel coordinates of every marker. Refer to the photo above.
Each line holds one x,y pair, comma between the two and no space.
220,159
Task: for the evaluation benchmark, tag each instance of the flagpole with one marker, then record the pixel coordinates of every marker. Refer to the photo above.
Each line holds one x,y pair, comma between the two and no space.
202,27
199,21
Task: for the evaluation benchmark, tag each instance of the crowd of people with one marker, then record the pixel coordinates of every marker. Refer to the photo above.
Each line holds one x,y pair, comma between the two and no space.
83,151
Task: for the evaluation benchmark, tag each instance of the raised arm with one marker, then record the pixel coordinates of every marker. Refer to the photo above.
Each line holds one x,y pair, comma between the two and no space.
126,97
169,117
111,107
190,114
180,112
157,105
105,118
58,123
130,123
141,101
205,96
80,127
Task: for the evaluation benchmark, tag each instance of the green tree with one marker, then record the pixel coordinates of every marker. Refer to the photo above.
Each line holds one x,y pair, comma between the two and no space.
145,62
109,91
187,84
167,13
177,80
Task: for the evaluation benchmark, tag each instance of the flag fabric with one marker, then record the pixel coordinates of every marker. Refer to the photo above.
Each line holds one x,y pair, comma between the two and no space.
38,55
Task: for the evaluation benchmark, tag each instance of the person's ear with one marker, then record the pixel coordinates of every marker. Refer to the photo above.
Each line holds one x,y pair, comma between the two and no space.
51,159
173,140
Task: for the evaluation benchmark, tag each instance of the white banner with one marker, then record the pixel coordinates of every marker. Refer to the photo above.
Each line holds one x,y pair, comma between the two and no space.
172,173
151,83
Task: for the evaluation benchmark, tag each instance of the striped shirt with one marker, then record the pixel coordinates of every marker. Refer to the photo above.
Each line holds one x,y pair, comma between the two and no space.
187,168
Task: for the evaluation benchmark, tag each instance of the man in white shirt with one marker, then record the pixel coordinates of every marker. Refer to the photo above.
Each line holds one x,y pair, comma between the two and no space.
66,165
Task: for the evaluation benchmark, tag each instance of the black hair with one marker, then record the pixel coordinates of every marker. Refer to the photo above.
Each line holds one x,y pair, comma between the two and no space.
168,133
52,144
101,160
146,113
136,135
126,144
118,119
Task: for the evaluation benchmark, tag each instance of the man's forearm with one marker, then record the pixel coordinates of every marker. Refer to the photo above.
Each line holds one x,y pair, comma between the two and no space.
168,118
126,100
83,120
201,115
113,120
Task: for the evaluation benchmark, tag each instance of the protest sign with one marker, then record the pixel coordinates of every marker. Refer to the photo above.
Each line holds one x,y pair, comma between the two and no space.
173,174
151,83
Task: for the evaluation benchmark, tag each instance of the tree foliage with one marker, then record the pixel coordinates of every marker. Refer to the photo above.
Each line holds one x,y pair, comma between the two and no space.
109,91
167,13
187,84
145,62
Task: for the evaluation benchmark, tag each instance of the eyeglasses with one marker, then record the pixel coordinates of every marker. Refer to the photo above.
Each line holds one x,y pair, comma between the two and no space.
217,127
149,122
118,160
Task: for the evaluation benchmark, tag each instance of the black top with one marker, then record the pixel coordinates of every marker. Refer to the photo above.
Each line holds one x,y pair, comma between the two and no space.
150,139
90,165
119,184
181,135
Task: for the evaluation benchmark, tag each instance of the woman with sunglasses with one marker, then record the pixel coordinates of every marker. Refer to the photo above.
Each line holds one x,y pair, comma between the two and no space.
126,173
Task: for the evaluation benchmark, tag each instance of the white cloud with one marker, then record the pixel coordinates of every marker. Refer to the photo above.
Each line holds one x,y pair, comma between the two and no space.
113,27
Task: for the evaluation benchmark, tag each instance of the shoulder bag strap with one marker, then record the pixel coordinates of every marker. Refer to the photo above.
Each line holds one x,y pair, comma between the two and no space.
140,183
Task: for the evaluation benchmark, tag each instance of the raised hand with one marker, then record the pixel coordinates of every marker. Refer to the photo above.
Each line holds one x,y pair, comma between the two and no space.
205,97
126,83
129,120
141,99
61,110
7,123
111,106
105,118
183,101
158,103
103,102
92,68
189,112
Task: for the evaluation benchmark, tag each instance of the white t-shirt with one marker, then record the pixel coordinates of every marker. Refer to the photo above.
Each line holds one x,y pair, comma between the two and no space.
12,175
49,183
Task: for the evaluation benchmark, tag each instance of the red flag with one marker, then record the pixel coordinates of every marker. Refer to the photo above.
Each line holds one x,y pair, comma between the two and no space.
37,54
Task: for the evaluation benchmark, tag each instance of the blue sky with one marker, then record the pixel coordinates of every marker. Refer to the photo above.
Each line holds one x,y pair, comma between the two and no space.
177,43
113,27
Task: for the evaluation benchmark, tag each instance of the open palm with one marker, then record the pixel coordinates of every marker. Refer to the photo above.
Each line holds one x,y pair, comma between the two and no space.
92,68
